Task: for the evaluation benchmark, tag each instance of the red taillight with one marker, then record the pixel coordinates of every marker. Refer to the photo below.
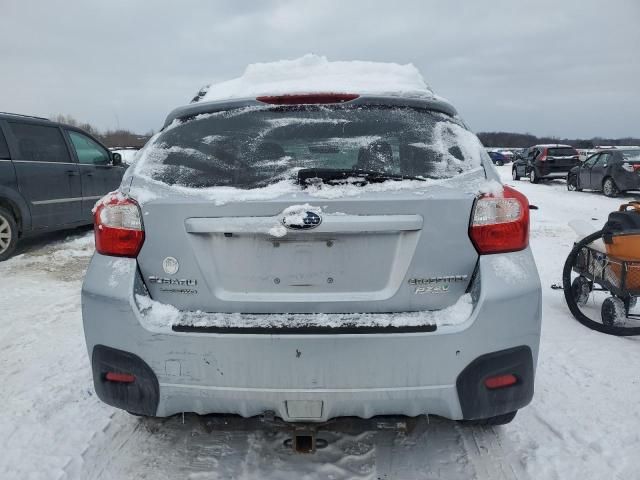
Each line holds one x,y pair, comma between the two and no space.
120,377
308,98
500,381
118,227
500,224
543,158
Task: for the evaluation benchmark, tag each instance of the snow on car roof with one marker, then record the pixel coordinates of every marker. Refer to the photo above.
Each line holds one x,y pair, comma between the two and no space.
314,74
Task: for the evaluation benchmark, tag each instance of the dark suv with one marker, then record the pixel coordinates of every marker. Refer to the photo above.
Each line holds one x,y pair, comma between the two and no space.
545,161
50,177
612,171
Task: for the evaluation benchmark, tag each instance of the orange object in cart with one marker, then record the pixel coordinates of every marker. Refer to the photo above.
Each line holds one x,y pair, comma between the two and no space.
621,236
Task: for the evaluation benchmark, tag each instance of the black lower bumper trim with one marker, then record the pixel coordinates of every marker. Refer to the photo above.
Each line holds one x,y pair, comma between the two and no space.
306,330
140,396
479,402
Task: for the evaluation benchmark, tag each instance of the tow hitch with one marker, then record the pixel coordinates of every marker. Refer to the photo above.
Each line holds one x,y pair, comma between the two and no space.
307,437
305,441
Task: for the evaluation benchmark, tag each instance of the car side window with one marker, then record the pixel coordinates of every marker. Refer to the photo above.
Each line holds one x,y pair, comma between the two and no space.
4,148
40,143
88,151
615,158
603,160
590,161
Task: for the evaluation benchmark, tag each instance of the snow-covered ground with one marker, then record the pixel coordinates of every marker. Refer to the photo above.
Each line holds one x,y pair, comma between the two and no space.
584,421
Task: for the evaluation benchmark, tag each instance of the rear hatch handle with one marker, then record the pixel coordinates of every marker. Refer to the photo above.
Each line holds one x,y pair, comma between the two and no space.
330,224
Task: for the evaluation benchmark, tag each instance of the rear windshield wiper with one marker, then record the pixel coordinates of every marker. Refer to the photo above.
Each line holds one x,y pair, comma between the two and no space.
355,176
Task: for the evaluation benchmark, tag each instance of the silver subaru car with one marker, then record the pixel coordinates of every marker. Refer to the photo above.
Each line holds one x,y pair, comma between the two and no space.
314,256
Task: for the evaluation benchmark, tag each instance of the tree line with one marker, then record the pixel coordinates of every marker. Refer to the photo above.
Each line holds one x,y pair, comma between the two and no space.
110,138
127,138
524,140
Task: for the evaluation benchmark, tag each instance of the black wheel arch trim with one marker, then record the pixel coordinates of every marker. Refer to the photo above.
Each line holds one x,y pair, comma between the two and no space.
141,396
479,402
17,204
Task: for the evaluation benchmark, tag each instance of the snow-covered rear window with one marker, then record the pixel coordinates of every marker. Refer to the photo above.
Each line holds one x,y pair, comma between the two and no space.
258,146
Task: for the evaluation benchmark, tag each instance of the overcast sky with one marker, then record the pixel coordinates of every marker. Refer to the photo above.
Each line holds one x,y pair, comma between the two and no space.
565,68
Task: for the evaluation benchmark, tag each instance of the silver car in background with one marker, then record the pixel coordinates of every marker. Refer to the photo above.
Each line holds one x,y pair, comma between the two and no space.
314,256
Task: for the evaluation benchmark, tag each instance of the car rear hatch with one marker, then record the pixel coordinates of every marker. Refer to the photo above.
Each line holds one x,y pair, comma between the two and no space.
350,208
377,253
561,159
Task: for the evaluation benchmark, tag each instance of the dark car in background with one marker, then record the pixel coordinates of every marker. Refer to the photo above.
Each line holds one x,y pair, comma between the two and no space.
610,171
51,175
542,162
498,158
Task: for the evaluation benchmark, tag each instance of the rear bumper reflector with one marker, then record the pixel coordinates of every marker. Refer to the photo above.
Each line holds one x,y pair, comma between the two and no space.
120,377
500,381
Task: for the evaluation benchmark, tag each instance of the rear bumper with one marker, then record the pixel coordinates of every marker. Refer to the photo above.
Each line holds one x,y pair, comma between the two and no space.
314,377
549,170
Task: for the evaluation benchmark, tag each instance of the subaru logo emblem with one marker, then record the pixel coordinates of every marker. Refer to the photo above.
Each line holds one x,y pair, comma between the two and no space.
303,221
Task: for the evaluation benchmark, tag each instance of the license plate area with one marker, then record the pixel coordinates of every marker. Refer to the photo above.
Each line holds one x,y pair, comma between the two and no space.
318,263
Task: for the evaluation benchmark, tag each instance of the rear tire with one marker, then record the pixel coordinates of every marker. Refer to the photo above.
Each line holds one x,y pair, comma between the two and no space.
533,176
8,234
609,188
487,422
514,174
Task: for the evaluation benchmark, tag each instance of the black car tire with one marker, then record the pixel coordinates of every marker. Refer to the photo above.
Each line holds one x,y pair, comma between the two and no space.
499,163
497,420
514,174
609,188
8,234
533,176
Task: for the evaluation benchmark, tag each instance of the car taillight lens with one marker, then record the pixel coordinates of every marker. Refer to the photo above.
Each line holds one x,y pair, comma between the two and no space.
543,158
500,224
631,167
118,227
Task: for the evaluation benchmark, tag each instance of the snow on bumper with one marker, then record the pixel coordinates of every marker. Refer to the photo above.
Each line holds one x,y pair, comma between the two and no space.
315,377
